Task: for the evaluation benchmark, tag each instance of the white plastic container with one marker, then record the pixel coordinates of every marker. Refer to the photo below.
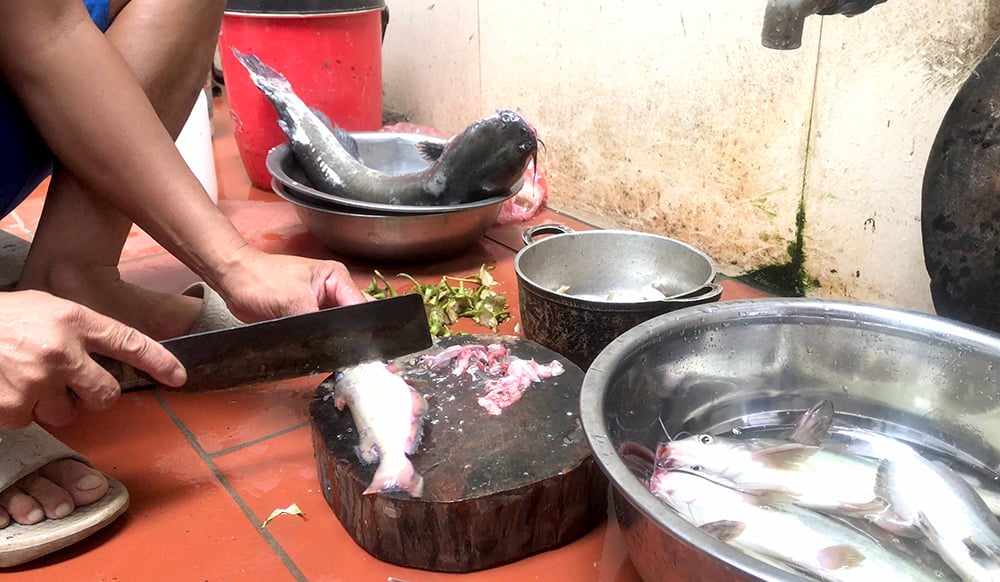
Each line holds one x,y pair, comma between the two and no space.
195,145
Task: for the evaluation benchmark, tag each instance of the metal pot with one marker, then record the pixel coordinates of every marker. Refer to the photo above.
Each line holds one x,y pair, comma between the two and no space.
564,283
753,363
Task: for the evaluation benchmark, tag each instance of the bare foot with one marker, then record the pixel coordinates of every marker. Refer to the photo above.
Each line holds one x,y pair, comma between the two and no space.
52,492
158,315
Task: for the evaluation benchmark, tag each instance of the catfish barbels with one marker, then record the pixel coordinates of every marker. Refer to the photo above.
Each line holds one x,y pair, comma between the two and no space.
487,159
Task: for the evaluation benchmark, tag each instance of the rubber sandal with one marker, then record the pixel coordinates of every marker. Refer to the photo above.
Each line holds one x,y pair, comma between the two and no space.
24,451
214,312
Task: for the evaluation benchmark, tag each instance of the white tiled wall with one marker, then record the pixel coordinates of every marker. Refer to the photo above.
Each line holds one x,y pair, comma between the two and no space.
670,117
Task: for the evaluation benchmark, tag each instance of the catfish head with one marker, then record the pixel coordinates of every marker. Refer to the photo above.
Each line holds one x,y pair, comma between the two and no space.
487,159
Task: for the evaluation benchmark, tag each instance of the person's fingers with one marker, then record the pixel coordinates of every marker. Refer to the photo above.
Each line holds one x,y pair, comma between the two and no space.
121,342
55,409
341,288
95,388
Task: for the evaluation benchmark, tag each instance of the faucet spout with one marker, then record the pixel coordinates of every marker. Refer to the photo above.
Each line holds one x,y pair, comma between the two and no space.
785,19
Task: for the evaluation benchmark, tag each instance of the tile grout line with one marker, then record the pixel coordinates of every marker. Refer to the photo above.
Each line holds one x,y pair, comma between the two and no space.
256,441
240,502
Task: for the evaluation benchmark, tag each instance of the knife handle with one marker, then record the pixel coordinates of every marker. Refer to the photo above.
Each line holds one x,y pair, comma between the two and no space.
128,377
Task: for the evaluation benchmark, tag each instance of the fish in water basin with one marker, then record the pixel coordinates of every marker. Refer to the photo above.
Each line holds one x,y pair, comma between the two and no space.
388,414
936,500
487,159
802,471
771,527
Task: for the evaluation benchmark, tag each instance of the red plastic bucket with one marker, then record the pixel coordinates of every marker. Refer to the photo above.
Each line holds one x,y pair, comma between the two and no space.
330,51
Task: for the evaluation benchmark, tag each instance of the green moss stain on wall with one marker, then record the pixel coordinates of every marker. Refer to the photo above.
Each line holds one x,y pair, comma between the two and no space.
788,279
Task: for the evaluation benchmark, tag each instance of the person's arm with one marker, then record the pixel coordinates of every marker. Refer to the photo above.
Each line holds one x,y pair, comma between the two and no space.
84,101
46,371
94,115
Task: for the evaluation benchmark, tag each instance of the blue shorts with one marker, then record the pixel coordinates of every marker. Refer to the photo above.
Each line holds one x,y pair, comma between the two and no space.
25,160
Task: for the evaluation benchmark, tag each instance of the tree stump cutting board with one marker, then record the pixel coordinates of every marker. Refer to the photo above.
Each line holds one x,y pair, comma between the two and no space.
496,488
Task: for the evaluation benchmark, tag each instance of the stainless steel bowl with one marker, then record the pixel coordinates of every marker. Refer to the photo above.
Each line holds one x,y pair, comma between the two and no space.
741,364
392,153
393,238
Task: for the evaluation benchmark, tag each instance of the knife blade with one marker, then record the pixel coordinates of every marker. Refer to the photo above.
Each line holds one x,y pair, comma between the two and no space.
291,347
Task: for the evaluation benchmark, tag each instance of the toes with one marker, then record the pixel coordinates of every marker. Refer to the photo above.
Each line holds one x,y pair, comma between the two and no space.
83,483
56,502
21,507
52,492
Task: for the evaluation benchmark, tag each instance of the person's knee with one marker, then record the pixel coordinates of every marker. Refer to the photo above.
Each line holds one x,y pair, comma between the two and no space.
212,9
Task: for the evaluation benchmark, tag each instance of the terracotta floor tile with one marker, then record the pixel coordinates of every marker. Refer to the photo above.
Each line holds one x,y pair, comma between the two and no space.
281,471
733,289
181,518
139,244
254,217
160,272
24,220
509,235
224,419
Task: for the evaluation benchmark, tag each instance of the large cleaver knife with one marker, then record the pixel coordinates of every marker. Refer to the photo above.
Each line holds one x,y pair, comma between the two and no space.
294,346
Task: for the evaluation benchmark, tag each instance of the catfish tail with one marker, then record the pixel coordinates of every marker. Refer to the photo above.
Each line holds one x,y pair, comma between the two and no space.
391,476
270,82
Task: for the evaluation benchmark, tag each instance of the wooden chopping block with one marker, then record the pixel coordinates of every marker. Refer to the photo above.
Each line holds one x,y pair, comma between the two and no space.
496,488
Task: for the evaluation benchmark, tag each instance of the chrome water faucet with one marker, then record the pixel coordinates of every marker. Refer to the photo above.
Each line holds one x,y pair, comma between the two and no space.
784,19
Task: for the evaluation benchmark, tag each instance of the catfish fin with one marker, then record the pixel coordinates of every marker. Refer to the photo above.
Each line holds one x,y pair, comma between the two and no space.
930,532
784,456
813,427
429,150
366,453
416,423
346,139
390,477
981,551
769,496
893,523
839,557
874,507
724,530
883,488
322,117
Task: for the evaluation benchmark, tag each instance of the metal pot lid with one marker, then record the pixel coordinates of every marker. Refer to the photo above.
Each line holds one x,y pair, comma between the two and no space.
302,6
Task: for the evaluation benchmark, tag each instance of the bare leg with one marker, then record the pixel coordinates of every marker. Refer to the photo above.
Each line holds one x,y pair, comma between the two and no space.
169,46
75,254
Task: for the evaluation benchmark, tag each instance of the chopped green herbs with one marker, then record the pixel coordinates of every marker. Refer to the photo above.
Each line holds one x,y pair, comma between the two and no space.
446,303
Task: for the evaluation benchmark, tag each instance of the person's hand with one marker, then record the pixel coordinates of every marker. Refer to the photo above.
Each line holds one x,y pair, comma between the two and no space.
259,286
46,372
